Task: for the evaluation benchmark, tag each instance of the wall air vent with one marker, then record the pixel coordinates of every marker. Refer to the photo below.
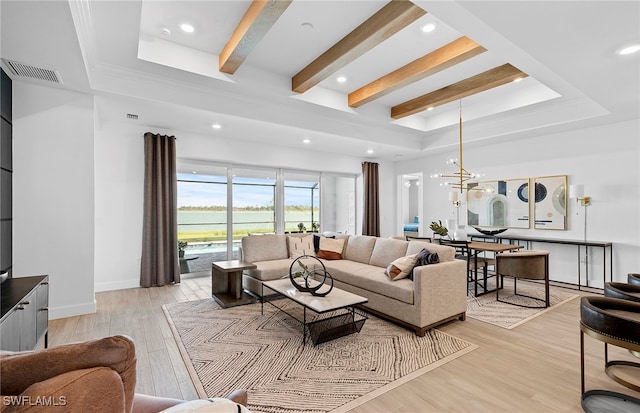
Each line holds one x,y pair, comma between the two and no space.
32,72
132,116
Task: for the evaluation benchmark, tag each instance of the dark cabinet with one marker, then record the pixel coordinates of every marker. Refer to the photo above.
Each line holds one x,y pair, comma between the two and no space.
10,332
6,96
6,173
42,308
25,313
6,144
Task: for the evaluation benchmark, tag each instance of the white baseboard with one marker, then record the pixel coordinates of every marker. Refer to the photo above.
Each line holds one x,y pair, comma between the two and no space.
117,285
72,310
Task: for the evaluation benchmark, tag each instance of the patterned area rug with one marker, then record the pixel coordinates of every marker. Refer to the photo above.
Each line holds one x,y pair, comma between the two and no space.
228,349
486,308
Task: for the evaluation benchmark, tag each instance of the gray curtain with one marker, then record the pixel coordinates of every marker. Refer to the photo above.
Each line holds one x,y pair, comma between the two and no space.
371,215
159,263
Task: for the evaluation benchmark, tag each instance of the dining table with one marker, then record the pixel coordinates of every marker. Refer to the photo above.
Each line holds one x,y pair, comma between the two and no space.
477,247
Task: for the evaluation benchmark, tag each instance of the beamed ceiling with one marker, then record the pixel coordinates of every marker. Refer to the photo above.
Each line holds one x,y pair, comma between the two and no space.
268,70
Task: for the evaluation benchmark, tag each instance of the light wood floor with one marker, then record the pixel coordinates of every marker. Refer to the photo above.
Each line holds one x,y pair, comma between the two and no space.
532,368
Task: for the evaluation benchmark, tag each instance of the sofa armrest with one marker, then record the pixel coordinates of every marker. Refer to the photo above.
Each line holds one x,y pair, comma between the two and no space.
94,390
440,290
23,369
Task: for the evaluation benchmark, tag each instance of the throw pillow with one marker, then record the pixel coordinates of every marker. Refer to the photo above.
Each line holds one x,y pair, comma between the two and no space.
316,243
330,249
401,267
426,257
299,246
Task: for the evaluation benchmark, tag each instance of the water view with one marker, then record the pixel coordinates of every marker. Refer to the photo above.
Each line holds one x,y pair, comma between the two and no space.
206,226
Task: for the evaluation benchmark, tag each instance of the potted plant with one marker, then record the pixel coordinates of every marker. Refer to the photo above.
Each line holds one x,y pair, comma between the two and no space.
181,246
438,228
315,227
301,227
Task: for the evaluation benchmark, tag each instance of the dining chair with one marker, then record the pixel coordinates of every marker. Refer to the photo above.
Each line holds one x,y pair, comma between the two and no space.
530,265
474,262
423,239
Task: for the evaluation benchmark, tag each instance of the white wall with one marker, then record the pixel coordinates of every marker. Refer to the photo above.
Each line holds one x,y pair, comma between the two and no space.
78,190
605,159
53,210
119,177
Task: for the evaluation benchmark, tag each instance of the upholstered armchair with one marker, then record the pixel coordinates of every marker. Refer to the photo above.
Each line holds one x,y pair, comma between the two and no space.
92,376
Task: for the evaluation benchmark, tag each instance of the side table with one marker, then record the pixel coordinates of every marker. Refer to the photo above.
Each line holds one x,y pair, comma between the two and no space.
184,263
226,283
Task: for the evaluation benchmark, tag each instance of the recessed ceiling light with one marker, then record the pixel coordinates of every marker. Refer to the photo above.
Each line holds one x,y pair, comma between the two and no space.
341,79
166,32
216,126
306,26
428,28
517,79
630,49
369,151
430,108
194,172
187,28
306,141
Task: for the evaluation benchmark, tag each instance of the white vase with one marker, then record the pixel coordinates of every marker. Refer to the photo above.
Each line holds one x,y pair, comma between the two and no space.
460,234
451,225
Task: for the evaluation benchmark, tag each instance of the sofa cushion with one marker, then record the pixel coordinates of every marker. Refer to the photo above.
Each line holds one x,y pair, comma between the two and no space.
387,250
257,248
331,249
402,267
445,253
359,248
299,246
371,278
270,270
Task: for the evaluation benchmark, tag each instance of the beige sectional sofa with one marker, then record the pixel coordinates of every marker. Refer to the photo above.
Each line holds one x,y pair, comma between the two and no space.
436,294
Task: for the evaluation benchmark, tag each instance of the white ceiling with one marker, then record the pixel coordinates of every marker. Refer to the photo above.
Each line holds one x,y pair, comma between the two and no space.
568,49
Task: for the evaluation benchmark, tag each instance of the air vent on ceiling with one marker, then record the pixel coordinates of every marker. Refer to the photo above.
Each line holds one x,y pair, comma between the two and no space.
132,116
32,72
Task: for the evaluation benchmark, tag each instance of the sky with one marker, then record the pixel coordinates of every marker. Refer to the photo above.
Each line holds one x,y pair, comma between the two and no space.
208,194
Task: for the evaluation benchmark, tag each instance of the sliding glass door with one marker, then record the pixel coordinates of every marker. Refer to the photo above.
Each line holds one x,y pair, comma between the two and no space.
301,202
202,216
220,204
254,207
339,204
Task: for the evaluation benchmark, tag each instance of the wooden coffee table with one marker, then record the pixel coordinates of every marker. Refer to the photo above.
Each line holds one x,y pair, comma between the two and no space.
226,283
343,319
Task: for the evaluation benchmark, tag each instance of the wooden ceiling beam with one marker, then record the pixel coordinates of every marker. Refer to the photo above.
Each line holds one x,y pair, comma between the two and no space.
387,21
479,83
256,22
445,57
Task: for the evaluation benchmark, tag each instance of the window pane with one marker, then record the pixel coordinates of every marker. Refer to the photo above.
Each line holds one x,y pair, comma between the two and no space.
339,203
301,202
202,216
253,202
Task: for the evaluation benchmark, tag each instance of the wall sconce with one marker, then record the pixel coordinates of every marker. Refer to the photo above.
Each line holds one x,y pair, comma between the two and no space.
577,192
453,198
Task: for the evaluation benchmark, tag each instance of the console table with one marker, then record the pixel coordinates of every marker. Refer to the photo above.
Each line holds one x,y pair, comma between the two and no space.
25,317
579,244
